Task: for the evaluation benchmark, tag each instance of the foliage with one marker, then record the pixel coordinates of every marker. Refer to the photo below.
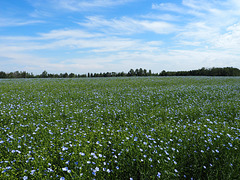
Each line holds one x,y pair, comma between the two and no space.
120,128
227,71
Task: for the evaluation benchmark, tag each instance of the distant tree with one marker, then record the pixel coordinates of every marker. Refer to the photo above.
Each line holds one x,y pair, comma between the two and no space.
65,75
145,72
114,74
123,74
3,74
51,75
16,74
71,75
44,74
163,73
226,71
131,72
31,75
140,72
108,74
136,72
23,74
149,72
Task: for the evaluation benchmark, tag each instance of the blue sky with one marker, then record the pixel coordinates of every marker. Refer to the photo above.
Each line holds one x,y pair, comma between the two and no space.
82,36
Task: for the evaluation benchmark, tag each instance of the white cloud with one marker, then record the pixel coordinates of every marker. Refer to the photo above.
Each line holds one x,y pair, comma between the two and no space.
205,24
163,17
236,3
155,43
76,5
68,33
127,25
168,7
105,44
76,40
198,4
196,31
154,58
229,40
40,13
19,61
123,26
158,27
8,22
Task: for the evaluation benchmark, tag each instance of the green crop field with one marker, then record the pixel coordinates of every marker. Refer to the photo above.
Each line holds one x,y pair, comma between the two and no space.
120,128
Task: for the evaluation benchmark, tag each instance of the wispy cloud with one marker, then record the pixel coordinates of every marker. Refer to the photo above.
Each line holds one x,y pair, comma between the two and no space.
68,33
202,5
116,55
76,40
40,13
8,22
168,7
229,40
206,22
126,25
77,5
163,17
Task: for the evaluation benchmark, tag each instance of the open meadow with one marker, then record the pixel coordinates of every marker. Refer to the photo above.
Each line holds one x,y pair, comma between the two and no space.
120,128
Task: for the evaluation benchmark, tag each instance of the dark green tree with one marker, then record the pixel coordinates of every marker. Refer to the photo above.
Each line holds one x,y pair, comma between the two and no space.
65,75
44,74
71,75
131,72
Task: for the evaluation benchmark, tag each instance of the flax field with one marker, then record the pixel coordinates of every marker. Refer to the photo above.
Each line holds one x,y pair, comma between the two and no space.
120,128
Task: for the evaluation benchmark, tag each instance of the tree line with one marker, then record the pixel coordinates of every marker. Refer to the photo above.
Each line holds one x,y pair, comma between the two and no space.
226,71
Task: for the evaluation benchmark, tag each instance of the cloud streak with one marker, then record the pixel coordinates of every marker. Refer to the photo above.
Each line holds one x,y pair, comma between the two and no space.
209,24
10,22
127,25
168,7
77,5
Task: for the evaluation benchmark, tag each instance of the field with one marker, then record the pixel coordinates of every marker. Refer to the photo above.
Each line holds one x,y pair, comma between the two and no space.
120,128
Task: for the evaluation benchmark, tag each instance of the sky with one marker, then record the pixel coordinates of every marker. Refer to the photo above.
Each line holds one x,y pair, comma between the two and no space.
82,36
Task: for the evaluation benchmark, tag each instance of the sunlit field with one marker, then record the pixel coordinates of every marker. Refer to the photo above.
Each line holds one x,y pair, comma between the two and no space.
120,128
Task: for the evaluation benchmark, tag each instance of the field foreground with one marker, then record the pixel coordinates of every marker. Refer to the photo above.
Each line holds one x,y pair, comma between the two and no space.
120,128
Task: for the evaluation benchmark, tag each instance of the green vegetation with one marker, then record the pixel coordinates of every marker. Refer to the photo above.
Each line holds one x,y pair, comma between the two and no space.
120,128
226,71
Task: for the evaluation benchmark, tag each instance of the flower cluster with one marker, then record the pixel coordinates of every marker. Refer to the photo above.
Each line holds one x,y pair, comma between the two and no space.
123,128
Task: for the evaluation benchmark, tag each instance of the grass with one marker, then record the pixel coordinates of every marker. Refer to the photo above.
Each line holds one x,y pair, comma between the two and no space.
120,128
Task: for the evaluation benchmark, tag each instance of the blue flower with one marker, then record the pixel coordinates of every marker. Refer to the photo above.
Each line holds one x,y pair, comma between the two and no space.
65,169
64,148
